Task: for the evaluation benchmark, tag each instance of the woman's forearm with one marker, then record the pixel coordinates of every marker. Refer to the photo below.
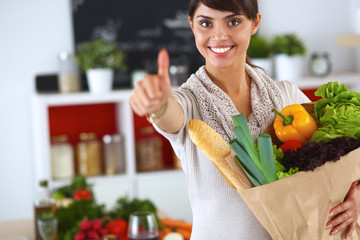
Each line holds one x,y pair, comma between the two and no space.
169,118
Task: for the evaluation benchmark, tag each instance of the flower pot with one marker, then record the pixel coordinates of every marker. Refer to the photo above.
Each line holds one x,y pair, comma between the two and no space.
265,63
288,67
100,80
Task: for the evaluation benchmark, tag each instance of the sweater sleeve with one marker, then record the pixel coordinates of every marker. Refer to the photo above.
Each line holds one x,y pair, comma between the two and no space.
291,93
179,140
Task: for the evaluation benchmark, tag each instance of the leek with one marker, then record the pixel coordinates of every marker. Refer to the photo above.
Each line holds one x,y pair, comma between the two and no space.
267,157
248,162
258,162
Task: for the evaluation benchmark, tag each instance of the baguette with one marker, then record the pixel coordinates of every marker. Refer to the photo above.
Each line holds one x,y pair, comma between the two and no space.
216,149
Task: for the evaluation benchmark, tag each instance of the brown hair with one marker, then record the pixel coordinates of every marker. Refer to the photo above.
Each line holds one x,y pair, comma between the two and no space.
247,7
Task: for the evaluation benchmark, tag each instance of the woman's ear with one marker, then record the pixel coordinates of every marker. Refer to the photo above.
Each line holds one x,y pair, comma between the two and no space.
191,23
256,23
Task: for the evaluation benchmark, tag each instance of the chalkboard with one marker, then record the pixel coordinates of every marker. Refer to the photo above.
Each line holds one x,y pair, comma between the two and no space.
140,28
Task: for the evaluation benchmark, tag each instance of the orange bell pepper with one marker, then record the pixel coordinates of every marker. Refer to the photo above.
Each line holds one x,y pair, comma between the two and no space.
294,123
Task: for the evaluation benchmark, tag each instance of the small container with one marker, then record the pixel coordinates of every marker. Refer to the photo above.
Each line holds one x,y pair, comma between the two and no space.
149,151
88,155
62,158
114,154
69,73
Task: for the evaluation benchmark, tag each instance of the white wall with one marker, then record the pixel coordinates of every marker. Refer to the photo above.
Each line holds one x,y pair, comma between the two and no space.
317,22
33,32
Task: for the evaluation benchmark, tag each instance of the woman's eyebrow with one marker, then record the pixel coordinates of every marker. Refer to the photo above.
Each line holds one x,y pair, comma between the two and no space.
203,16
229,16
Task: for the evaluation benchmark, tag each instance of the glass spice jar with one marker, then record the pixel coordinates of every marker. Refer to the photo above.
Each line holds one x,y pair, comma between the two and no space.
88,155
62,158
114,154
149,151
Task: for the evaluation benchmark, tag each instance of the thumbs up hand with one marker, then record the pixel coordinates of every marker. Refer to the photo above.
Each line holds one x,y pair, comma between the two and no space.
152,92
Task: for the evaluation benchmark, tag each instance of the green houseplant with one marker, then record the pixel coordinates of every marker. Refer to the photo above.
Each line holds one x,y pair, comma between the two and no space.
289,51
259,47
259,53
289,44
98,59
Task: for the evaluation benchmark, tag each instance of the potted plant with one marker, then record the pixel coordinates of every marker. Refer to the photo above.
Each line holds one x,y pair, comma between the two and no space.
98,59
259,52
289,51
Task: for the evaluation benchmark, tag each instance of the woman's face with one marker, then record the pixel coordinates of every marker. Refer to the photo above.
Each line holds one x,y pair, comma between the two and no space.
222,37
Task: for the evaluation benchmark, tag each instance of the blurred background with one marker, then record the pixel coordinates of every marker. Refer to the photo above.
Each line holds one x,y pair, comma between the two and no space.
33,33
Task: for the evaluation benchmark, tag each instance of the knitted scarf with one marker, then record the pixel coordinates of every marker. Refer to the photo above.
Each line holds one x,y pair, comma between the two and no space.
217,109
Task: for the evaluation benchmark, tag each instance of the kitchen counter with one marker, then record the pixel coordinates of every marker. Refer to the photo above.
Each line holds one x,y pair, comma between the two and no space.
17,230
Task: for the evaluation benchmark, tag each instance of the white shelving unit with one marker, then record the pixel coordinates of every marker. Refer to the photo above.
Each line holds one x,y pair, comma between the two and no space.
109,188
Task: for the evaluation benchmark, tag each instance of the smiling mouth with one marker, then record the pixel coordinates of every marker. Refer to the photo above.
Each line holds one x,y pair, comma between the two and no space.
220,50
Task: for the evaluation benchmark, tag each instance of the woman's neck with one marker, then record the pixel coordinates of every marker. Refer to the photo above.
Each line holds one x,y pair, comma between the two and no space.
232,80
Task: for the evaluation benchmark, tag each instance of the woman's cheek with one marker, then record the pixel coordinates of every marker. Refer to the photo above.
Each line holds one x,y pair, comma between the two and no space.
201,43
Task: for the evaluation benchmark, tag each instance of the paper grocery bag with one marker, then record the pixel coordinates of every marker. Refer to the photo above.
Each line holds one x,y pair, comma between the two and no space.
297,207
292,208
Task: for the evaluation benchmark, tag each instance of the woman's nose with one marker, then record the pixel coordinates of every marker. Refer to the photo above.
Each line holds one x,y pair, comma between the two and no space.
220,33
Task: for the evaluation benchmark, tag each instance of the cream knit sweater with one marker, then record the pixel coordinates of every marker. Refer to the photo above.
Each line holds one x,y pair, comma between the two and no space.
219,213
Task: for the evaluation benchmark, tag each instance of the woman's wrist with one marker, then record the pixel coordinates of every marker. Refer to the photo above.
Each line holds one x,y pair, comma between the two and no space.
159,114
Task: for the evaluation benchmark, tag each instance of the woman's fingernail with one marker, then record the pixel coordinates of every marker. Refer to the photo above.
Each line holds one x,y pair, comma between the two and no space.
329,226
334,232
331,214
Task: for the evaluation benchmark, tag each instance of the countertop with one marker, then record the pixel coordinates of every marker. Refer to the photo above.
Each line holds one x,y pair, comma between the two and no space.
17,230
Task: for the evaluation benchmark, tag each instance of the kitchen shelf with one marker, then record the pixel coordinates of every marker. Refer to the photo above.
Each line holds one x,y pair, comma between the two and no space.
108,187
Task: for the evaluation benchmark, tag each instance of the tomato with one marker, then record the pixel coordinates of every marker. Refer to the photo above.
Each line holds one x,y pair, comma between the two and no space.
118,227
82,194
291,145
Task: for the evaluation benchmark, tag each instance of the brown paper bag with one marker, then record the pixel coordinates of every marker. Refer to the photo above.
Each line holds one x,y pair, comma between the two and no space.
297,207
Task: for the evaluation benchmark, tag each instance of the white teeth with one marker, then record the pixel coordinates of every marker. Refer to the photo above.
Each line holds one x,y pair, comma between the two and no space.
221,50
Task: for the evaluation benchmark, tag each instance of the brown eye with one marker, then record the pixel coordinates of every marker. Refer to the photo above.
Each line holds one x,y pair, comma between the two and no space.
205,24
234,22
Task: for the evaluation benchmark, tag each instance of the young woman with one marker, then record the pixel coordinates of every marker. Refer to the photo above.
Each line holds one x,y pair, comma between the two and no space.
227,85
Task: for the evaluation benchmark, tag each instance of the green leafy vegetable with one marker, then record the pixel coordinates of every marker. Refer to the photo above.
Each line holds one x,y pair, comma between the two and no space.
70,217
338,113
68,191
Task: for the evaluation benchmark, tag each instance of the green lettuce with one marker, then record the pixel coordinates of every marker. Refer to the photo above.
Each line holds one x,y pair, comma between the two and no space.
338,113
280,169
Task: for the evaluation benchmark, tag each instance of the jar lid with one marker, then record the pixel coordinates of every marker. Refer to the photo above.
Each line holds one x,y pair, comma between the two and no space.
60,138
87,136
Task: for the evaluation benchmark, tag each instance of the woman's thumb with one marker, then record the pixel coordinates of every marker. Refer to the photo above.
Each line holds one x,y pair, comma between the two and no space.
163,64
